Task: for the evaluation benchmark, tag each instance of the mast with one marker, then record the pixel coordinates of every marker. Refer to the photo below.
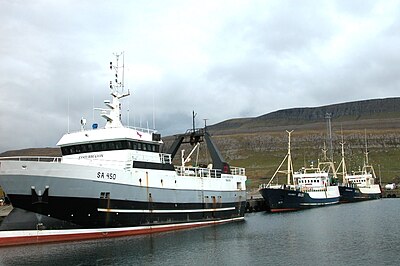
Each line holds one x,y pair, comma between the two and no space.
193,120
205,124
289,161
343,163
327,165
366,163
367,167
289,170
113,113
324,152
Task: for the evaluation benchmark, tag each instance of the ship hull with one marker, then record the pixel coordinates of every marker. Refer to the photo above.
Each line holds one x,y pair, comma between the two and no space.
103,213
281,200
354,194
36,236
67,202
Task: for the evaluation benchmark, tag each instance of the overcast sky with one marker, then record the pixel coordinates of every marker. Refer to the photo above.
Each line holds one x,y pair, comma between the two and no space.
223,59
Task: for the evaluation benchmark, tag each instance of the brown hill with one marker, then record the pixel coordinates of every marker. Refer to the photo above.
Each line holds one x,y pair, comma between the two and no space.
45,152
351,115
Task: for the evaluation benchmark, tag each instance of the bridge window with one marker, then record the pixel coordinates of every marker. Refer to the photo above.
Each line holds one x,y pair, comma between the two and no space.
89,147
110,145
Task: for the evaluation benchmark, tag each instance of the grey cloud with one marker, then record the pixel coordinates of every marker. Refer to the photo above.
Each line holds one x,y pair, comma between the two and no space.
255,58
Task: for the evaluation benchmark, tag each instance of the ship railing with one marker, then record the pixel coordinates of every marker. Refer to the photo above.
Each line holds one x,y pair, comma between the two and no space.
32,159
350,184
238,171
142,129
278,186
198,172
313,189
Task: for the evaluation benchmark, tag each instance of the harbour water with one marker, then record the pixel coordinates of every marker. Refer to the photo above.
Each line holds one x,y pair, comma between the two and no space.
347,234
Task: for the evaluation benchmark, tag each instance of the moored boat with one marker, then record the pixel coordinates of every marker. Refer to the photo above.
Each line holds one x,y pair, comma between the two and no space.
307,188
359,185
115,181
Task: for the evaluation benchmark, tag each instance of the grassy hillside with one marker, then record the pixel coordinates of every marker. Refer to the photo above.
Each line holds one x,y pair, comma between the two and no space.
260,143
261,153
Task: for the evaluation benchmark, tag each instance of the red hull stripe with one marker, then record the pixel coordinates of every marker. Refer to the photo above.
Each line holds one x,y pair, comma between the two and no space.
284,210
11,238
165,211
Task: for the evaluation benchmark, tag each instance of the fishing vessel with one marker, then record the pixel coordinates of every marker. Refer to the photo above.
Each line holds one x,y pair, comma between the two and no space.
359,185
309,187
116,181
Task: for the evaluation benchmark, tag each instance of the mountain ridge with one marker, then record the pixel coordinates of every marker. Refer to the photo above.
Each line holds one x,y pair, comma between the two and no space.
381,108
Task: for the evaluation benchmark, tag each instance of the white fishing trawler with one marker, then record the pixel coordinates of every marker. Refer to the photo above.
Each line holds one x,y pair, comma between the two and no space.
115,181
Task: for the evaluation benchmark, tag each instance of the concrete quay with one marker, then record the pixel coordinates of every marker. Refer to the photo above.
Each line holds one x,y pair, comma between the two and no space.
255,202
391,193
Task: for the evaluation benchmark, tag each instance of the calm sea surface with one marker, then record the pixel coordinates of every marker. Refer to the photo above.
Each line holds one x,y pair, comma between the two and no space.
365,233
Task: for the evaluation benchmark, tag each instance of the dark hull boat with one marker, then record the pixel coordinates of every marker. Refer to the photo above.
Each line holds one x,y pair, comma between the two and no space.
308,188
360,185
354,194
281,200
114,181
